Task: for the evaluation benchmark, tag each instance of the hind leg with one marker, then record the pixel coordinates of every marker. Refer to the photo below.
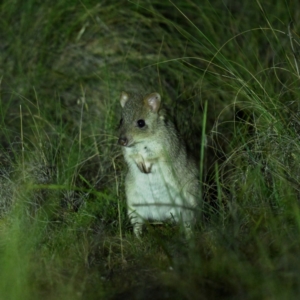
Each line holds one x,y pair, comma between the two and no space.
188,230
137,229
185,218
137,223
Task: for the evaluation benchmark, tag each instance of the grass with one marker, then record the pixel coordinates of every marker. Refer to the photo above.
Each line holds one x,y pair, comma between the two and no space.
230,71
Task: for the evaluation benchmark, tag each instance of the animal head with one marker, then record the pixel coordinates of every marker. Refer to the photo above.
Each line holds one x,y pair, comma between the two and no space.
141,117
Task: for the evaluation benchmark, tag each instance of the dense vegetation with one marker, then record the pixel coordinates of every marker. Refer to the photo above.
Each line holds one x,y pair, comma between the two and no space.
229,73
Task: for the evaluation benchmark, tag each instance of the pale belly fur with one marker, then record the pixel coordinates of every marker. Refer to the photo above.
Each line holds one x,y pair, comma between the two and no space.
158,196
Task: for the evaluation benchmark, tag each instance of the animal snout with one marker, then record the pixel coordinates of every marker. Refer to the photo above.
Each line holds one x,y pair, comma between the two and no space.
123,141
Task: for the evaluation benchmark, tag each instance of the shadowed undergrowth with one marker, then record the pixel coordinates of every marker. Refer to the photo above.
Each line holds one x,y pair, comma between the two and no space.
64,233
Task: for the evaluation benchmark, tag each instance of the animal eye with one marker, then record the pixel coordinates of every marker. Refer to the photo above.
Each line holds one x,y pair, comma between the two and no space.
141,123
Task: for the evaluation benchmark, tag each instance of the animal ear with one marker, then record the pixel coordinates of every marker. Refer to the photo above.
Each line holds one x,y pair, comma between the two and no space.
124,98
153,101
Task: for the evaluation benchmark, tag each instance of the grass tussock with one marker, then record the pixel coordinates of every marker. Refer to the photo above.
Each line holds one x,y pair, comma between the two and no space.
229,74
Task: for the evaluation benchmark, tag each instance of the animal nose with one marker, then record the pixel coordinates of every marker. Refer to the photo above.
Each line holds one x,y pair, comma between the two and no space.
123,141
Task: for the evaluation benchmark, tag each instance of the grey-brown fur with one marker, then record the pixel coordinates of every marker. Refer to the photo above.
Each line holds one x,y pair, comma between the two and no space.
162,180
